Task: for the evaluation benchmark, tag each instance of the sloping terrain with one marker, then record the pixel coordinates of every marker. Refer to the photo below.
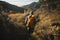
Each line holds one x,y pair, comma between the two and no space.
47,28
9,7
12,28
33,6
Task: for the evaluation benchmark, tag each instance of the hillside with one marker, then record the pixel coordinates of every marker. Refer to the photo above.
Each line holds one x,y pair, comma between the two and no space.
33,6
47,27
9,7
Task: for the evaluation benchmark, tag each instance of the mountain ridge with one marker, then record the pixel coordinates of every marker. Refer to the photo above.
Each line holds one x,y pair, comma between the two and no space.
33,6
6,6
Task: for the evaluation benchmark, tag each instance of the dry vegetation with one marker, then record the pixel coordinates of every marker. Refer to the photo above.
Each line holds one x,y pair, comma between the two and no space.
47,28
17,18
11,26
44,28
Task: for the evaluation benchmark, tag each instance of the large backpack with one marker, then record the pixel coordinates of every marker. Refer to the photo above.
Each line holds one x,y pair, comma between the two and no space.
30,21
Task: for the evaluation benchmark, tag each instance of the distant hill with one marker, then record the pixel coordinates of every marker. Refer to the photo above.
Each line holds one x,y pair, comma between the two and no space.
7,7
33,6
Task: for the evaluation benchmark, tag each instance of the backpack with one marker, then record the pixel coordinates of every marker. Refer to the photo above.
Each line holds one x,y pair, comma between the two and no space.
30,21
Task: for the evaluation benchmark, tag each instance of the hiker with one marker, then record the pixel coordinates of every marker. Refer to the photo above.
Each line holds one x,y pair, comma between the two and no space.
30,22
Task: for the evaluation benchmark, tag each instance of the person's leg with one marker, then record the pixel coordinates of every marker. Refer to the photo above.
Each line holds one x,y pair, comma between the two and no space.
31,30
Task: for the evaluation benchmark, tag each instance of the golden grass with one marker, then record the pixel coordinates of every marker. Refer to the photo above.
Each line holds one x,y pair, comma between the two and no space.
18,17
46,19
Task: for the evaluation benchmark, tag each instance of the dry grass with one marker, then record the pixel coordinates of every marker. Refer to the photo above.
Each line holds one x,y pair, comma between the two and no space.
17,18
43,27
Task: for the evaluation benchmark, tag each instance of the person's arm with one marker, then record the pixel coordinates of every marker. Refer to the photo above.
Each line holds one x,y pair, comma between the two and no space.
27,21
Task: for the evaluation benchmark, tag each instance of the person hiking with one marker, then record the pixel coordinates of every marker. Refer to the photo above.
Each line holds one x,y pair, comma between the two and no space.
30,22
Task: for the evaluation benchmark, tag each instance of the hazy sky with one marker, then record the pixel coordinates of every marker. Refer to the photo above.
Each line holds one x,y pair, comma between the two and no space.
20,2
